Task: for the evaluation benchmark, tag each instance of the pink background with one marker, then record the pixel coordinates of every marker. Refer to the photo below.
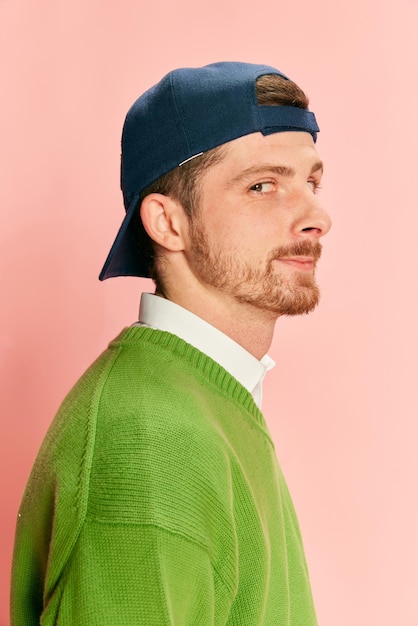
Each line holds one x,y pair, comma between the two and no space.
342,402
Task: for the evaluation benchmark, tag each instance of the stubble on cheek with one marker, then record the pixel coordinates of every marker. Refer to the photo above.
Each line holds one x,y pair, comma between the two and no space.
269,287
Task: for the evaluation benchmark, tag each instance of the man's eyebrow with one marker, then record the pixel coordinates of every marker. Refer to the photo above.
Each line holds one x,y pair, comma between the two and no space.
317,166
263,168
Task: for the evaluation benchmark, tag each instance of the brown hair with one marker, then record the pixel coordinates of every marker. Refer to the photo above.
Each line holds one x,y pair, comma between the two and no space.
182,183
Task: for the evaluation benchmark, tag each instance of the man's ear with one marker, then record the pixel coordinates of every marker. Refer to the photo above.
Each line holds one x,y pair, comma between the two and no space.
164,220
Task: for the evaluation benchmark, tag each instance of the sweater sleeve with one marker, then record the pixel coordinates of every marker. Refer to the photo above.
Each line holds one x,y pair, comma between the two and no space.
131,575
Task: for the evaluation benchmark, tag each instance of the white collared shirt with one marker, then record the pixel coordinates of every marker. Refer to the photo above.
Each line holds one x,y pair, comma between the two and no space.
162,314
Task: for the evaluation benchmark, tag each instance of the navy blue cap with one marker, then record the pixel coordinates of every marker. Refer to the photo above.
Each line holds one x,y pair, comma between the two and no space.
188,112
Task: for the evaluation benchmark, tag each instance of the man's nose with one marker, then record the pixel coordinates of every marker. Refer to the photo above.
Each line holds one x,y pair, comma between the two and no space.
315,221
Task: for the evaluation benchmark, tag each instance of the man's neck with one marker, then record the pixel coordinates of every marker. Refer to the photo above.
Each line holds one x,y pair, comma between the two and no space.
250,326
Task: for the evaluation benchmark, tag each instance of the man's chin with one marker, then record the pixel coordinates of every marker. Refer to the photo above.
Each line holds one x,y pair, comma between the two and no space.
304,303
299,300
301,310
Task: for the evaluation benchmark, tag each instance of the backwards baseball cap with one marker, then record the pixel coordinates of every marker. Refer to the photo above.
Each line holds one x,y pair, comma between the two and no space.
188,112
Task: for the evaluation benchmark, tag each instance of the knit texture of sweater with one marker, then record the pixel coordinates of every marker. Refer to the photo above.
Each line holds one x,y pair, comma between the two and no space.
157,499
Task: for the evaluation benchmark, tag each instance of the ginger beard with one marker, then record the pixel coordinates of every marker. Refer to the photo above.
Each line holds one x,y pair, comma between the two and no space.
280,291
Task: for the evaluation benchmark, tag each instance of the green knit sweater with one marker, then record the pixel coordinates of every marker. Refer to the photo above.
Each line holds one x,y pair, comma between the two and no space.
157,499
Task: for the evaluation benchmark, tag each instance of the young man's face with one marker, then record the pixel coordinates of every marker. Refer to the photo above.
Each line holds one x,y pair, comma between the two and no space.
255,237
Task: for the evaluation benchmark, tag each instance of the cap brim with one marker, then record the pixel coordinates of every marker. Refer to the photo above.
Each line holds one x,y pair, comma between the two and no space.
124,258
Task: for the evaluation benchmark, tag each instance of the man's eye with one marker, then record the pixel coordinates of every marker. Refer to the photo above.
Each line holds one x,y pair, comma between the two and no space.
314,185
262,187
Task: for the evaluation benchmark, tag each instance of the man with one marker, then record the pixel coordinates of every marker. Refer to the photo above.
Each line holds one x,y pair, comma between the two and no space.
156,497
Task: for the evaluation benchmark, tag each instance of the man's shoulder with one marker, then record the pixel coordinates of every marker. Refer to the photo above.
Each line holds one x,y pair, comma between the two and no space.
136,359
145,380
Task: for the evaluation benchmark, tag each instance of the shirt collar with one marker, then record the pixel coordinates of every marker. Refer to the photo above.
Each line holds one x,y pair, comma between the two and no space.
167,316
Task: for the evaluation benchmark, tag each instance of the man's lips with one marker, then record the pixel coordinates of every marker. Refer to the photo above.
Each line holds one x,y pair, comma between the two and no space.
305,263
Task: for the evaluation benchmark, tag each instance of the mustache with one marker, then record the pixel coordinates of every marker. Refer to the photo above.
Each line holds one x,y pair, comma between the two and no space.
300,248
